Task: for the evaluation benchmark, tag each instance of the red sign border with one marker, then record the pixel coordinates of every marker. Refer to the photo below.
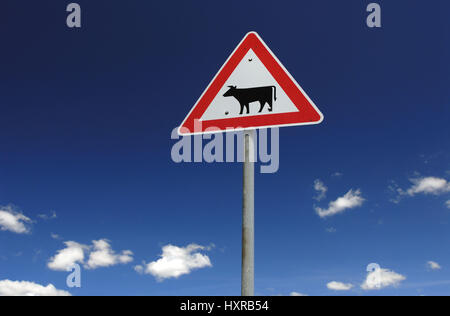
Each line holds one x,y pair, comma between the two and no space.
308,112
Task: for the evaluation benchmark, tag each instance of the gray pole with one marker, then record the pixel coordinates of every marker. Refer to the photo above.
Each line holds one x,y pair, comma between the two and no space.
248,216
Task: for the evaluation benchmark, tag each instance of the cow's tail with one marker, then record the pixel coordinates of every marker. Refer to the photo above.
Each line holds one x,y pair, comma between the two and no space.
274,93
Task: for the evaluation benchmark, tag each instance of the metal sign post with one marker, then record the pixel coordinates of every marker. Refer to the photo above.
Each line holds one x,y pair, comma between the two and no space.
248,216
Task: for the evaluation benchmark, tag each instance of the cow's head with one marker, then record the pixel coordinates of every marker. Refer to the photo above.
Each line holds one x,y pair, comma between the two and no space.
230,91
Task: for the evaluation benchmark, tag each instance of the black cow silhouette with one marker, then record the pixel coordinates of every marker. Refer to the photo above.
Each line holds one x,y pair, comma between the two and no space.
246,96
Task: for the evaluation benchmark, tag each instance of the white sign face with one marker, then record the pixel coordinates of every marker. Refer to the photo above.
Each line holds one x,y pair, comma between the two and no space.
251,90
250,73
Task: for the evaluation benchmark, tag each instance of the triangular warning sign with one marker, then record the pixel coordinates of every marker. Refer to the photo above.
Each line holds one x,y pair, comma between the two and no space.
251,90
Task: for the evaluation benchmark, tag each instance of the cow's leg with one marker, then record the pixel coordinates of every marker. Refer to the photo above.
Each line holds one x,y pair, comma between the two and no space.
270,105
242,109
248,108
262,106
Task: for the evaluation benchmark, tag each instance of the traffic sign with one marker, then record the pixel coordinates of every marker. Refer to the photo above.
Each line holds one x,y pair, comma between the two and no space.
252,90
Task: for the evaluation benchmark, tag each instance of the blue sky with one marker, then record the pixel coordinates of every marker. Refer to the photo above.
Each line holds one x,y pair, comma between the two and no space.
85,133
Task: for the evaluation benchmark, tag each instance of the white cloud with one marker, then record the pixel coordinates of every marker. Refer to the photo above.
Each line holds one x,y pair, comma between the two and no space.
321,189
104,256
434,265
24,288
420,185
350,200
397,191
139,269
47,217
337,174
55,236
428,185
447,204
339,286
100,255
381,278
13,221
297,294
176,261
67,257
